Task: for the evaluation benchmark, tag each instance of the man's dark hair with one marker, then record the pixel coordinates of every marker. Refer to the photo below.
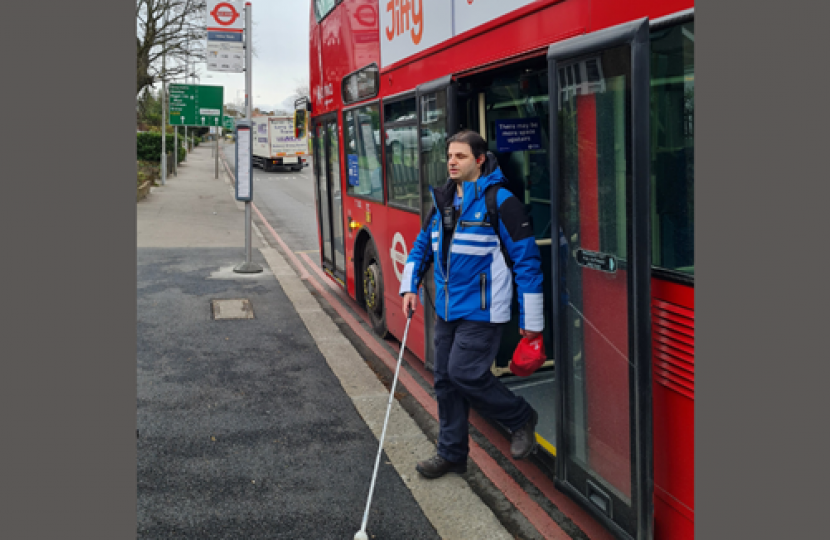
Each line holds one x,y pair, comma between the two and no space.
477,144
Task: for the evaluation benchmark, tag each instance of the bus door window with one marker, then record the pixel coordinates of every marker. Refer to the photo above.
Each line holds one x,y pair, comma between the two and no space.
401,140
323,199
595,165
433,139
361,133
336,200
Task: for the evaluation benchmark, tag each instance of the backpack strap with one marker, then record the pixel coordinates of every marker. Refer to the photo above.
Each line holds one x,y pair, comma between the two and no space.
428,218
493,216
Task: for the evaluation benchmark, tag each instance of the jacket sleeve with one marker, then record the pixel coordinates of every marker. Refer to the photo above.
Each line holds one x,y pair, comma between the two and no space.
516,231
418,260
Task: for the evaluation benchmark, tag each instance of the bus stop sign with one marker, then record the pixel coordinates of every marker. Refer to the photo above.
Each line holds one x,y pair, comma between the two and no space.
224,15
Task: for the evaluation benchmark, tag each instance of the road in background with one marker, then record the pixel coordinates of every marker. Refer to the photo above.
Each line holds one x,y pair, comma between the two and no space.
286,200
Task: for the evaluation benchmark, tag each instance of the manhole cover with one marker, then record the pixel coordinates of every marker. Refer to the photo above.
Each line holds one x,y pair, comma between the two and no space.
232,309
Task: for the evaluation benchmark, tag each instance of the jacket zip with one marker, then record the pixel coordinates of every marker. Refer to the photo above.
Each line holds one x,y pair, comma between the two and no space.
483,291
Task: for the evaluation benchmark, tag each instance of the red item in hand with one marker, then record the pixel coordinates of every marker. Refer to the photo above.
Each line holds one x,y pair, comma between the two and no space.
528,356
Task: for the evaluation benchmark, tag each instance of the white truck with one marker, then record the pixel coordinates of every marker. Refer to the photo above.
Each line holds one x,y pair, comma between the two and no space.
275,144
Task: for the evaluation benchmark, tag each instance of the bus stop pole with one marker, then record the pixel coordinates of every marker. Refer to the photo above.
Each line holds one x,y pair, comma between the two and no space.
216,169
248,267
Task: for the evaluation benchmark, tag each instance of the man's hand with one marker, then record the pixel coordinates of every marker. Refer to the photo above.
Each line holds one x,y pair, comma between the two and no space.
410,300
529,334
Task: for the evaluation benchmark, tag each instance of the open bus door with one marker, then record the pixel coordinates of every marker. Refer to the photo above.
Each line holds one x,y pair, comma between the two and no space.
600,185
329,197
436,122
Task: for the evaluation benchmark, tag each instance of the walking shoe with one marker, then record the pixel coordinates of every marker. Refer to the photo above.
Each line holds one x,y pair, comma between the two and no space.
523,442
436,467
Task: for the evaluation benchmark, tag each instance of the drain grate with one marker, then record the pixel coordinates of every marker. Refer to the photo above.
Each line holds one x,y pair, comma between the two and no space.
231,309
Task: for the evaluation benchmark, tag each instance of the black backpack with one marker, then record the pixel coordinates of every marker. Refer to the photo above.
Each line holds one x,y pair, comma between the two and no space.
516,188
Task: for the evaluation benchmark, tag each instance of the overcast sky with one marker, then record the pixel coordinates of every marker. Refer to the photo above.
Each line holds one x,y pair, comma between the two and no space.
280,38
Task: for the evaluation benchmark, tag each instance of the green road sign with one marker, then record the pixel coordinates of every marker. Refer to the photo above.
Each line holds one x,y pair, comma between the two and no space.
228,123
195,105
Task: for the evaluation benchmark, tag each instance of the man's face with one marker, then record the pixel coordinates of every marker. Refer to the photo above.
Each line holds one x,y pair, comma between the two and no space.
463,167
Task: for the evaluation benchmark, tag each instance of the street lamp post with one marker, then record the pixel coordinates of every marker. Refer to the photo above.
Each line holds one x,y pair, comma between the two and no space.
186,81
175,151
163,117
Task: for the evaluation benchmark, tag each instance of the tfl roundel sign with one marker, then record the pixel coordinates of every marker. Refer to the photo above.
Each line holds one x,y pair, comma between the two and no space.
225,15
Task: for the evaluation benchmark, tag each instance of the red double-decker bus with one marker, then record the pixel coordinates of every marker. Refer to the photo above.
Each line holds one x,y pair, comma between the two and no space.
590,104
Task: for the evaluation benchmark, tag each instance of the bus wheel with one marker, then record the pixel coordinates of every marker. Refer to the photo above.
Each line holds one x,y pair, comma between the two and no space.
373,290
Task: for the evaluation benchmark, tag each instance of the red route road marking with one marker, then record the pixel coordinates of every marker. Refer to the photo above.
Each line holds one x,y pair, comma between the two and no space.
336,289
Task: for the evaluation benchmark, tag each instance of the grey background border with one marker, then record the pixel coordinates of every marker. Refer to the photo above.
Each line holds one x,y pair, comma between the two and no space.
69,226
761,284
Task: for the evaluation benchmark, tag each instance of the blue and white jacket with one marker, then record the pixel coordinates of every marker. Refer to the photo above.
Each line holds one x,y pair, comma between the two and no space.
472,279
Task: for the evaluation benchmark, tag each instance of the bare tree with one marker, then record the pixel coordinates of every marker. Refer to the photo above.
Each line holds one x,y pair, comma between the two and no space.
175,28
300,90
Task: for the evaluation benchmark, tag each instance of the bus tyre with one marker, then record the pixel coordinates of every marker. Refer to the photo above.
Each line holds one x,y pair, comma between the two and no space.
373,290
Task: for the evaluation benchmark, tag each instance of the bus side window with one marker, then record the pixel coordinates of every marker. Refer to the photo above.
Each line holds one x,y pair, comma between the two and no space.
361,132
672,147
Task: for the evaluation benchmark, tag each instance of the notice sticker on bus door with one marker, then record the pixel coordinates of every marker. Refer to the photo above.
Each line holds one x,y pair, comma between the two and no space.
518,134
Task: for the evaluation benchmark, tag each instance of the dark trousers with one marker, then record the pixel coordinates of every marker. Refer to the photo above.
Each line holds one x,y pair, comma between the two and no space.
464,352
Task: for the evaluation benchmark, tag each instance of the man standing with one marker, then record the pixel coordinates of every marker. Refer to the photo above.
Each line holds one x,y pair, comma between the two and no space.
473,298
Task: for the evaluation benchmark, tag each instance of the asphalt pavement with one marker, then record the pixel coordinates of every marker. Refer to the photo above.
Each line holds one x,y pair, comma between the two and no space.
256,417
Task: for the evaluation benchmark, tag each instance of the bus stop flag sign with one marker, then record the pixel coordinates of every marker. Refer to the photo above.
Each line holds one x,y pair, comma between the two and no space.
225,15
225,23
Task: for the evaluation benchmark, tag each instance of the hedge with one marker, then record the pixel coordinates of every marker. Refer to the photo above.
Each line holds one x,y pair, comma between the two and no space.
148,146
